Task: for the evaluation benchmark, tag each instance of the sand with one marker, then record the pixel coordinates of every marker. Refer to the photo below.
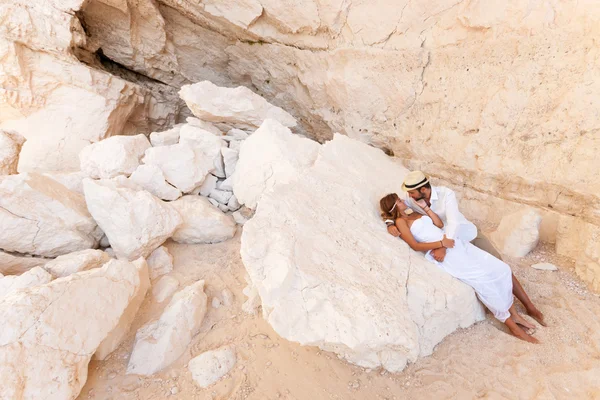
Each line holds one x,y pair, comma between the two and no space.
482,361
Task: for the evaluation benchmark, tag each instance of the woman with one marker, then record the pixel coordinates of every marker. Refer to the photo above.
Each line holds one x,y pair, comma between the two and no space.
491,278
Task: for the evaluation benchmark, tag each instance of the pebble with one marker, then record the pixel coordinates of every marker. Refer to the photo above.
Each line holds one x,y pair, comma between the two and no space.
174,390
545,267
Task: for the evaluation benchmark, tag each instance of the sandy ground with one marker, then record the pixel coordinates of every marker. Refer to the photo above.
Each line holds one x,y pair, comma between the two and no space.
482,361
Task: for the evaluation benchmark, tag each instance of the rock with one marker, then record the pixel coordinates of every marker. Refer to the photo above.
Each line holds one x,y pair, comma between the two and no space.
227,297
135,223
545,267
252,302
226,185
40,216
214,202
518,233
210,366
202,223
104,242
15,265
50,332
71,180
239,218
110,252
209,184
216,303
272,155
119,182
151,178
159,343
233,204
166,138
78,261
183,167
207,126
230,159
208,143
164,288
160,262
10,148
239,106
118,334
222,196
235,145
237,135
117,155
34,277
338,294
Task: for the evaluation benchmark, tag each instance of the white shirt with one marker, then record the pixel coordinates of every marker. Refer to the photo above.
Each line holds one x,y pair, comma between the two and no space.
444,204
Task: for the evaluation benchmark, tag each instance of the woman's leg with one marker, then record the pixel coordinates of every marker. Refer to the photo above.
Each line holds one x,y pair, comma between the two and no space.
515,329
532,311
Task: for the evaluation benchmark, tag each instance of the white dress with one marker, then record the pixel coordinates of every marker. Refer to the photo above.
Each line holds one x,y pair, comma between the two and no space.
490,277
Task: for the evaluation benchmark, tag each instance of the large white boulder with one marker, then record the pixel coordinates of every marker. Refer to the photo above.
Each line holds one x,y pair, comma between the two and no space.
161,342
182,165
50,332
40,216
118,334
152,179
210,366
117,155
239,106
135,222
352,289
270,156
34,277
208,143
78,261
11,264
10,148
518,233
202,222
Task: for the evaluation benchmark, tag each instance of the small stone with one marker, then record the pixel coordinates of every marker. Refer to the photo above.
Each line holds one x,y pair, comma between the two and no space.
174,390
216,303
210,366
545,267
221,196
227,297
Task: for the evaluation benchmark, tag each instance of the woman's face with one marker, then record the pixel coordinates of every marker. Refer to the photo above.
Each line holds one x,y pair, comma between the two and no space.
402,208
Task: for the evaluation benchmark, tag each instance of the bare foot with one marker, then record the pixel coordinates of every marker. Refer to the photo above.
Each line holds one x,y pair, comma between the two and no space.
537,315
519,332
522,321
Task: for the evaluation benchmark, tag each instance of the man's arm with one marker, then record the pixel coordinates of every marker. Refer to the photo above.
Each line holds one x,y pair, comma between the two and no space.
453,219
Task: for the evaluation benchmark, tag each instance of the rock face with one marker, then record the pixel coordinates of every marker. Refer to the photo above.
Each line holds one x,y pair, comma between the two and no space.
356,291
76,262
161,342
46,342
270,156
212,365
518,233
10,147
238,106
40,216
135,222
118,155
202,222
34,277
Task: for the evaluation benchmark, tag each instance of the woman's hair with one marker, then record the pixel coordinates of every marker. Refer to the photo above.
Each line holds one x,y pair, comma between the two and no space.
388,209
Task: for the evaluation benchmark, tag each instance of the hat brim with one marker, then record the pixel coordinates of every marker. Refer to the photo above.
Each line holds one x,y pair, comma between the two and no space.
406,189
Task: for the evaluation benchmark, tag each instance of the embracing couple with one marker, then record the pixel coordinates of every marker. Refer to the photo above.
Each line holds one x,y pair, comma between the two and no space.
427,218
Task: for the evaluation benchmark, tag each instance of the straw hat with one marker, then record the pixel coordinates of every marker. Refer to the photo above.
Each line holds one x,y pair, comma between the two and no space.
414,180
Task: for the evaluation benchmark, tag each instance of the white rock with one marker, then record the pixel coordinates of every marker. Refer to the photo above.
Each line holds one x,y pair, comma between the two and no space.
227,297
222,196
239,218
238,106
518,233
71,180
358,292
207,126
50,332
151,178
230,159
233,204
119,333
209,184
211,366
226,185
252,302
164,288
110,252
160,262
235,145
202,222
208,143
223,208
40,216
214,202
117,155
216,303
15,265
166,138
119,182
10,148
270,156
545,267
136,223
237,134
34,277
161,342
78,261
183,167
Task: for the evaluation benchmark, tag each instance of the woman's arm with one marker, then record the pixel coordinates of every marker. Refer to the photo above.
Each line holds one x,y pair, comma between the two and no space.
407,236
434,217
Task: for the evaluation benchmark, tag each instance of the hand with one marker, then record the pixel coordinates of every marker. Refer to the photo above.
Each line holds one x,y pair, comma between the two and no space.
447,243
439,254
422,203
393,230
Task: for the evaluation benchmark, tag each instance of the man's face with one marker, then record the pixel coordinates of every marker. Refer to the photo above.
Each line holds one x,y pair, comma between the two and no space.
416,194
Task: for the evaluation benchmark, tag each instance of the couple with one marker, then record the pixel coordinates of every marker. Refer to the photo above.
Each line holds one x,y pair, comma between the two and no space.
439,229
